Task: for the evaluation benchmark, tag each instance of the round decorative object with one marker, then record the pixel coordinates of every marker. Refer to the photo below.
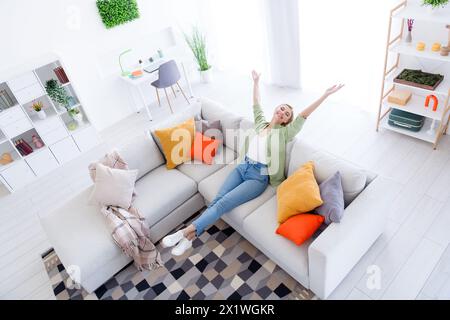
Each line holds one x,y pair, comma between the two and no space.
436,47
6,158
72,126
420,46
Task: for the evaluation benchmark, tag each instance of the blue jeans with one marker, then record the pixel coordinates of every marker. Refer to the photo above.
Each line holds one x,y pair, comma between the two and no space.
246,182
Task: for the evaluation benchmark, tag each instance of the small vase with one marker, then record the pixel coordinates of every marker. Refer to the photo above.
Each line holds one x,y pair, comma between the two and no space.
37,142
206,76
41,114
408,38
78,118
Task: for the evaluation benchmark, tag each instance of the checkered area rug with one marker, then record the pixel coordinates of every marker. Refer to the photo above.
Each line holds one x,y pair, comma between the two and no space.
221,265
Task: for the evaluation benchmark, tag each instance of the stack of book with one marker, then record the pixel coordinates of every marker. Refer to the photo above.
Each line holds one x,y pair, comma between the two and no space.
23,147
62,77
5,100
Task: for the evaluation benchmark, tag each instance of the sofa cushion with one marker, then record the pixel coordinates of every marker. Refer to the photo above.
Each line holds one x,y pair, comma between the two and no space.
230,122
176,142
210,186
80,236
204,148
300,227
325,165
212,129
199,171
161,191
333,199
299,193
261,225
141,153
190,112
113,187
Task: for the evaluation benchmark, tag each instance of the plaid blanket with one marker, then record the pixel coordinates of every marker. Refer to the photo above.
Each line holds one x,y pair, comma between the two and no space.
128,228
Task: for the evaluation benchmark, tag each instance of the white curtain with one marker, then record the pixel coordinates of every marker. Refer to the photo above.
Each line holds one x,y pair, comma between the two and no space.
283,42
344,41
235,34
254,34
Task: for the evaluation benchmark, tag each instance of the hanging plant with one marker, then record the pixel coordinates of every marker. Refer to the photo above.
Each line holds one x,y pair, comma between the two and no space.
116,12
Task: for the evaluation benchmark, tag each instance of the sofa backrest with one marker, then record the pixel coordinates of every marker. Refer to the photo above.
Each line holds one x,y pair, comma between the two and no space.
354,178
142,153
230,121
191,111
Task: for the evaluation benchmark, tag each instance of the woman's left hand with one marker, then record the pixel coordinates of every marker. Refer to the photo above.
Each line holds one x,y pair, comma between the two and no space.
333,89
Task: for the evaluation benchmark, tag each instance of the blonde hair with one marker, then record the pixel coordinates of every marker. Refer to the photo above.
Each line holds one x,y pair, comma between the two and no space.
291,117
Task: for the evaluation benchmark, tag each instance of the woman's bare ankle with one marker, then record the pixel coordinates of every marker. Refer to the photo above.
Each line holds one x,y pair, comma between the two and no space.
189,230
191,235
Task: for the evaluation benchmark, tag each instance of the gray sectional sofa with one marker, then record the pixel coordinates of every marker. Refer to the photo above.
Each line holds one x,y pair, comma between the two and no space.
79,235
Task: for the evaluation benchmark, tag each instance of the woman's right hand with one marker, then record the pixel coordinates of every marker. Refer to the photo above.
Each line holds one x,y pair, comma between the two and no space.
255,76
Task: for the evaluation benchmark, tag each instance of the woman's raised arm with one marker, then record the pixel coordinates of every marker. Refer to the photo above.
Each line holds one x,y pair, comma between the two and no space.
306,112
256,95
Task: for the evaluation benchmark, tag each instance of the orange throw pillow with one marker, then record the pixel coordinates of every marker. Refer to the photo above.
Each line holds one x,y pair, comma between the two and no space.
301,227
204,148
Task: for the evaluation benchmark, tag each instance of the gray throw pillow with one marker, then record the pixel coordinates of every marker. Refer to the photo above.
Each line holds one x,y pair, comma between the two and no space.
212,129
332,195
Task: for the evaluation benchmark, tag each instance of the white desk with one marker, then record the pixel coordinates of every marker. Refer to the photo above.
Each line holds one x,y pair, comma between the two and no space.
135,84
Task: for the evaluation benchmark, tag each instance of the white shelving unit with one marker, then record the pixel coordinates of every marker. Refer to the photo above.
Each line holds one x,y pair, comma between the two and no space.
62,137
420,13
396,46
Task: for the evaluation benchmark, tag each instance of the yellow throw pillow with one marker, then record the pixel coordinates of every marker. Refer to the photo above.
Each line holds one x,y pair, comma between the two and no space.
299,193
176,142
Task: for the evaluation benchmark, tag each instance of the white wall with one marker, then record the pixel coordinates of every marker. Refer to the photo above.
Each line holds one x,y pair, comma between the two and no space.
345,41
74,30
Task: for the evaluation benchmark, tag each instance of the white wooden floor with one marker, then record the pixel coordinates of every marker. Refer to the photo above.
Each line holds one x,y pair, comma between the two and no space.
413,255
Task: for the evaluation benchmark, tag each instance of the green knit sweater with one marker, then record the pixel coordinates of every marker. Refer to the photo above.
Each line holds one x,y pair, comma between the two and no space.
278,137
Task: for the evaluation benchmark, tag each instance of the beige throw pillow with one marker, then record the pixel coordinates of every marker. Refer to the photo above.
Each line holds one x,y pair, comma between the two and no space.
113,187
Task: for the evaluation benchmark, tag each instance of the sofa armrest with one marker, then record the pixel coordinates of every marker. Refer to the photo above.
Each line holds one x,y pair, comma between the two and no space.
340,246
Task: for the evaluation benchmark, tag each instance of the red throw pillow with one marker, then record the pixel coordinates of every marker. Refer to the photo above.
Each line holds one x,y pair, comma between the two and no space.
204,148
300,227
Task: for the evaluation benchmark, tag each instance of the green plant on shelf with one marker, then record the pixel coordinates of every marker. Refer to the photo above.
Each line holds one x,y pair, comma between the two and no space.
420,77
37,106
197,44
435,3
57,93
73,112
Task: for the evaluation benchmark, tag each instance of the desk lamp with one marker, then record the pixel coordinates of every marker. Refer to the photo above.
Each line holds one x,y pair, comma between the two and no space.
124,73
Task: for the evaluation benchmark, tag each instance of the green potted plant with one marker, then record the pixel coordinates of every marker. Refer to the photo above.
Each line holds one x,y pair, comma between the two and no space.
38,107
76,114
433,5
57,93
197,43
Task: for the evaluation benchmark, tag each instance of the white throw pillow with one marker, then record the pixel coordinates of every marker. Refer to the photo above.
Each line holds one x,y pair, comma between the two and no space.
113,187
